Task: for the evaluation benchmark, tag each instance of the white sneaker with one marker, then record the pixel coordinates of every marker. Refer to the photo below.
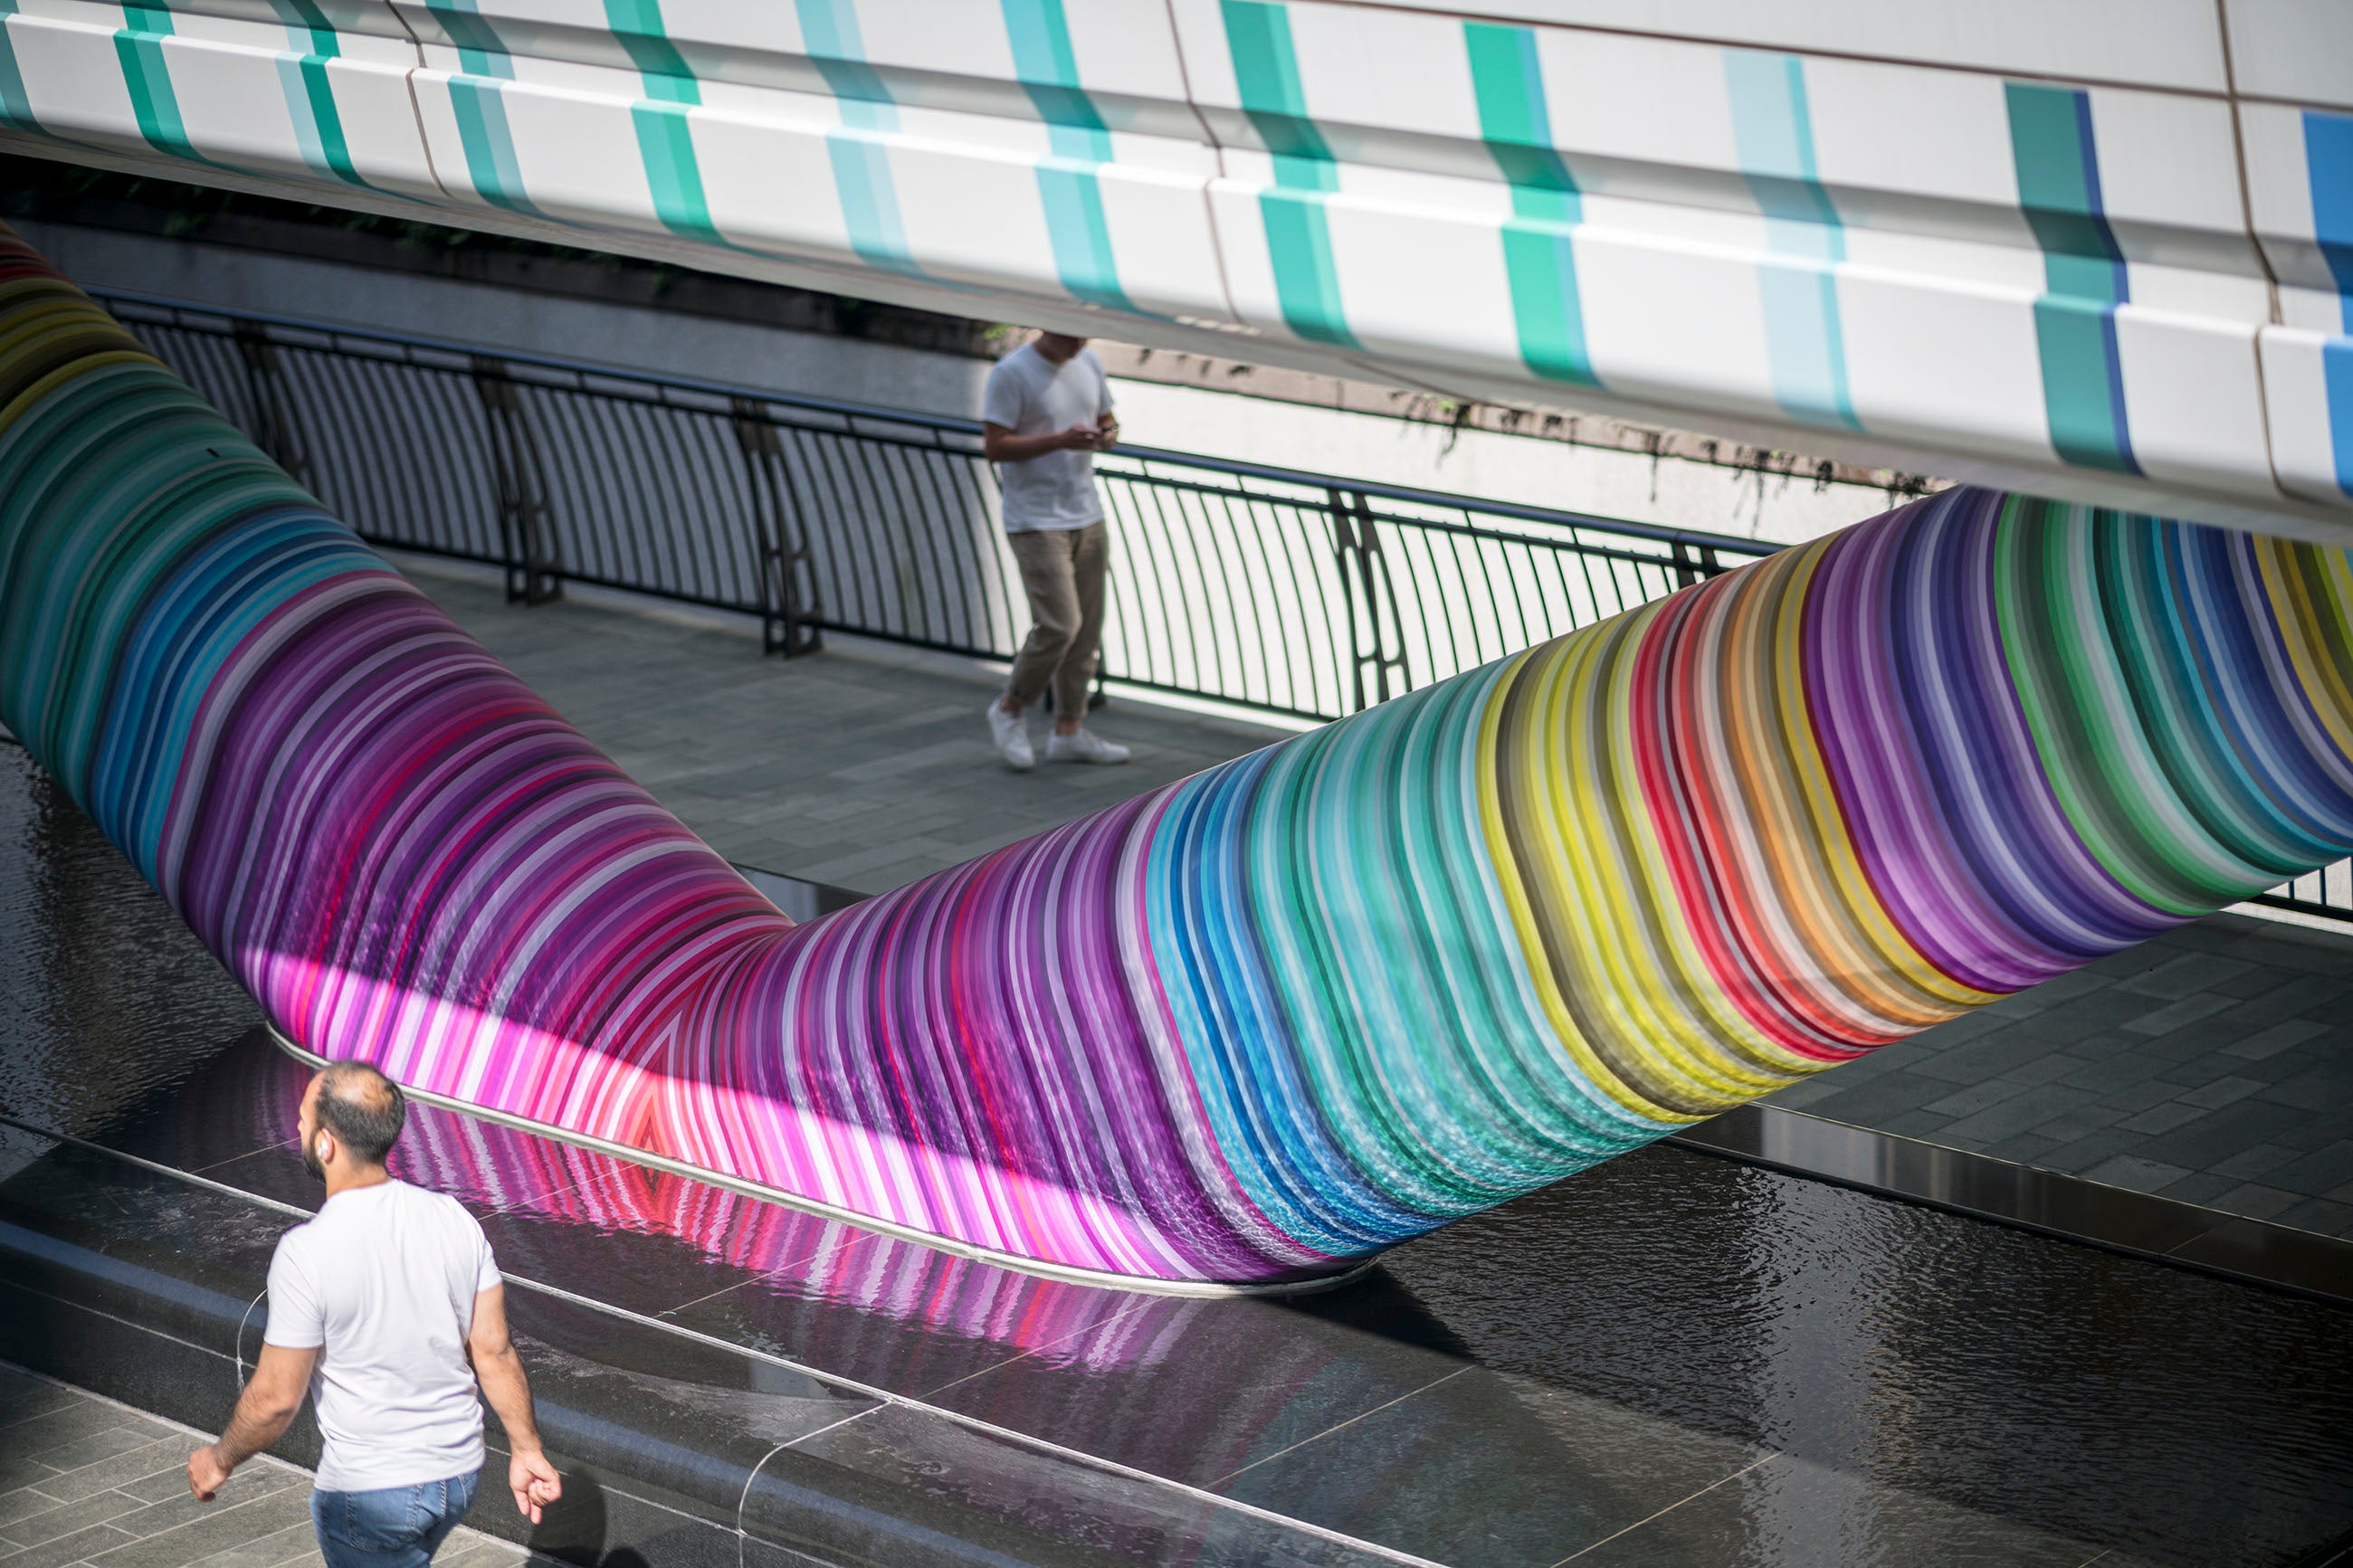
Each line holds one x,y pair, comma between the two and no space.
1082,746
1012,738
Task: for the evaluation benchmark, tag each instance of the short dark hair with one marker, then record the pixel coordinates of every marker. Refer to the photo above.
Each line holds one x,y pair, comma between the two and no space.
363,1108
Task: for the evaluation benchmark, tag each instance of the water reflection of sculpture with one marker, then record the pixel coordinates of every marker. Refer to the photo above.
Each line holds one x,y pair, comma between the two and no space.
825,1283
1250,1027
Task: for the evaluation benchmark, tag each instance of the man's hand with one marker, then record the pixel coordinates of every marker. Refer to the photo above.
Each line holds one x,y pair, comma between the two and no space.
206,1473
529,1476
280,1379
999,445
533,1482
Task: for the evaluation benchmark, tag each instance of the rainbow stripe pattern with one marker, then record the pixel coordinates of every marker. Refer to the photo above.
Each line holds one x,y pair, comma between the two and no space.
1246,1029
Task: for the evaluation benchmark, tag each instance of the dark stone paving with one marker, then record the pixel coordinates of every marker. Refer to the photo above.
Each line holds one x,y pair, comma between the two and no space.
865,766
84,1481
2213,1066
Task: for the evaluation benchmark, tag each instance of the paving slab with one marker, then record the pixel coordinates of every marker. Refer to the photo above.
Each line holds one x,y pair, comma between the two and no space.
865,766
129,1507
2213,1066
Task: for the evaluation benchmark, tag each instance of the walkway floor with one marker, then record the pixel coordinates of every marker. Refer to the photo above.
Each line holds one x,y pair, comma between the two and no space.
2212,1066
866,766
86,1481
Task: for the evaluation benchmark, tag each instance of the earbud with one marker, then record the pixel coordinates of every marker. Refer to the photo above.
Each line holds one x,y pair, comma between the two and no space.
320,1148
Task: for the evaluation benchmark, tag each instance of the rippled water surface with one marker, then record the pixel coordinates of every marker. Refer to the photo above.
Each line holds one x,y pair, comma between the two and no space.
1773,1370
2180,1416
106,999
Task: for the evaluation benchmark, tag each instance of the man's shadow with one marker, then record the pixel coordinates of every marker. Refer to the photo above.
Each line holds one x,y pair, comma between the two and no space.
572,1531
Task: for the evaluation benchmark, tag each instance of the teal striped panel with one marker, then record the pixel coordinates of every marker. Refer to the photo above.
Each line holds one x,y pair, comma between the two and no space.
15,107
666,144
1773,134
491,166
139,50
637,24
1539,259
665,139
862,161
2328,166
1298,238
1068,184
2083,271
309,95
480,51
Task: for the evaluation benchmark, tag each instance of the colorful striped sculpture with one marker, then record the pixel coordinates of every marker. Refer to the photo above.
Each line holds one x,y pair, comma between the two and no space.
1250,1028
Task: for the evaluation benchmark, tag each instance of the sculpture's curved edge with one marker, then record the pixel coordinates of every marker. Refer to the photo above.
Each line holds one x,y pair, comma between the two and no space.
1136,1284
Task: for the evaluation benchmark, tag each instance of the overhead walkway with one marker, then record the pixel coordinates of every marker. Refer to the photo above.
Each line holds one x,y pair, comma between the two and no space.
2105,260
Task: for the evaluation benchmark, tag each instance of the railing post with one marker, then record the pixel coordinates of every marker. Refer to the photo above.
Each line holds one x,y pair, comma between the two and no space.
526,515
1375,623
273,417
1692,562
789,602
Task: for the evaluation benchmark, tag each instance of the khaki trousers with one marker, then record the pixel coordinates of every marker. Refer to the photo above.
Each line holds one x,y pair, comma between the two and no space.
1062,572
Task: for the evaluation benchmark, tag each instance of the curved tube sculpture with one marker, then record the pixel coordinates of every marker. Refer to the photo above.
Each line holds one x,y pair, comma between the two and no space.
1245,1030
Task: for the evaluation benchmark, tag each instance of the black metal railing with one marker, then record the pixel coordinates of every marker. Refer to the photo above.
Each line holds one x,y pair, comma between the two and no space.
1271,590
2327,892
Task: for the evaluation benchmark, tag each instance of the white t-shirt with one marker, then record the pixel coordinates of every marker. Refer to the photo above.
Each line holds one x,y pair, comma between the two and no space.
385,1279
1030,394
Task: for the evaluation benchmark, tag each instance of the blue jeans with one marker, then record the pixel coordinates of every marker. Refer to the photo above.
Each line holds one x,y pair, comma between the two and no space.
397,1527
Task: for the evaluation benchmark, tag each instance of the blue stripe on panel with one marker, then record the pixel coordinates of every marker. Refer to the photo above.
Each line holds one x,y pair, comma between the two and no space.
15,106
2329,165
1539,252
480,52
147,76
309,91
1773,134
1067,185
860,159
298,109
665,135
2057,163
481,112
1298,229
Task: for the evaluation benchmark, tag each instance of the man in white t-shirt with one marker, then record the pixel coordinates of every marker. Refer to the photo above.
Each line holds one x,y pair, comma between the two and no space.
1045,414
388,1309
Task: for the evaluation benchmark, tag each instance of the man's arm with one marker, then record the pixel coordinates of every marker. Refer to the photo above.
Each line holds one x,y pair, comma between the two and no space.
999,445
281,1378
499,1368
